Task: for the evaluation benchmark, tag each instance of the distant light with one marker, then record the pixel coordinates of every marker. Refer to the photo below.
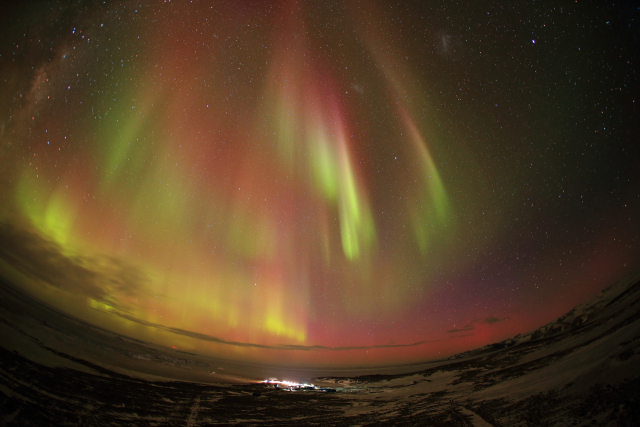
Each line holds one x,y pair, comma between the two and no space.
534,42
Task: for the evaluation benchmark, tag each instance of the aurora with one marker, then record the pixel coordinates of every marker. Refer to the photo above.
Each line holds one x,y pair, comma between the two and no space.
301,184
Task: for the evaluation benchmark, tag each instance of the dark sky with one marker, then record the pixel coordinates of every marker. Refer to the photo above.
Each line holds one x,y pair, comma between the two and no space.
362,183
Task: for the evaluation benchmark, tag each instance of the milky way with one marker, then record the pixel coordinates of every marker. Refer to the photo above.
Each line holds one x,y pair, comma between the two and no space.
363,183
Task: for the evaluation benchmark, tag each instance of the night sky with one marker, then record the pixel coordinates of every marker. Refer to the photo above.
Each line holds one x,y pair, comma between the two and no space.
301,183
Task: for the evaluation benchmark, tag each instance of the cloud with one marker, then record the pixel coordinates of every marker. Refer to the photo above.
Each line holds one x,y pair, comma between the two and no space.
461,336
489,320
104,279
210,338
463,329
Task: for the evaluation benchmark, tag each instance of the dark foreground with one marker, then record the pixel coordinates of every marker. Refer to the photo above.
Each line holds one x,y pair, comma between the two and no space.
35,395
583,369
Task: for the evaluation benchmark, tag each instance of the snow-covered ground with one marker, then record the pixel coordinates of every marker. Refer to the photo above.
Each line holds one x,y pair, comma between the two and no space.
582,369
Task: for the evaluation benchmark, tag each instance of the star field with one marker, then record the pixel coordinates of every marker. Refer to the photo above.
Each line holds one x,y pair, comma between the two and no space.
361,183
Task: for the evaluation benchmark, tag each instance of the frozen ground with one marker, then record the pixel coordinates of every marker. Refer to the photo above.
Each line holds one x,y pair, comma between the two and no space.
583,369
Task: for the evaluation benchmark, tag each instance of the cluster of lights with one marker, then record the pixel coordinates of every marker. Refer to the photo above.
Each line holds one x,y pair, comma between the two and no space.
292,384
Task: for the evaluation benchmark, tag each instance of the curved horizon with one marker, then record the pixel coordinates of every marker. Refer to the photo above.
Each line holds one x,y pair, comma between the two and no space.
294,184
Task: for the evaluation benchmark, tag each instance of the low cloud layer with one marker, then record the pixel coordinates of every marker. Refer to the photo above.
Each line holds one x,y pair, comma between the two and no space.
489,320
106,279
209,338
103,279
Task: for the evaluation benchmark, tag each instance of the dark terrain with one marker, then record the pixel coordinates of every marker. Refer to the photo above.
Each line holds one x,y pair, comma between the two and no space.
583,369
